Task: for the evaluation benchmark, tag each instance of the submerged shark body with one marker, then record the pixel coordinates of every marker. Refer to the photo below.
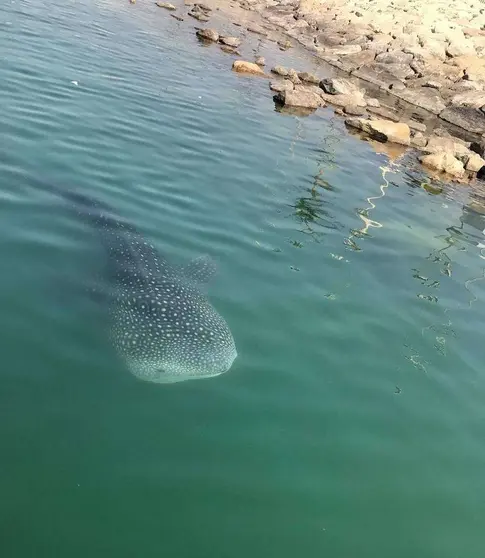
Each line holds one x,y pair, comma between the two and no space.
161,323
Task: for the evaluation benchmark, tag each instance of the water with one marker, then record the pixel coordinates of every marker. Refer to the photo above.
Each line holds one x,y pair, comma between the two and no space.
351,423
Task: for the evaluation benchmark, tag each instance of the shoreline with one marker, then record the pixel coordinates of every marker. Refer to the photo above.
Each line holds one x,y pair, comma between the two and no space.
388,78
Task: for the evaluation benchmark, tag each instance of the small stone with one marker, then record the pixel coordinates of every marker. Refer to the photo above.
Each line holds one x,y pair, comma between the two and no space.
418,126
475,163
132,1
371,102
280,71
177,17
208,35
445,162
166,5
233,42
293,76
282,85
309,78
260,61
244,67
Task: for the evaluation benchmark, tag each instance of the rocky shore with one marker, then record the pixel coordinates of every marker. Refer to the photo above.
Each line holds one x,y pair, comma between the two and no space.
429,55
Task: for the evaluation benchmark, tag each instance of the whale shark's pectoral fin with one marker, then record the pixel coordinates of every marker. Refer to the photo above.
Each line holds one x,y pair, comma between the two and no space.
200,270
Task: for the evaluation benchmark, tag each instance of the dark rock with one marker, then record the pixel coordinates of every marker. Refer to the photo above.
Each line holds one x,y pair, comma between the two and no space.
467,118
177,17
478,147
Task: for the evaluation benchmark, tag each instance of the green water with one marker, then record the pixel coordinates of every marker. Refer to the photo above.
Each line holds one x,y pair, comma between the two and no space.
352,422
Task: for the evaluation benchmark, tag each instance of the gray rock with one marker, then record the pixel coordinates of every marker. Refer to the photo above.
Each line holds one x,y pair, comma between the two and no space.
233,42
255,28
418,140
354,110
208,35
371,102
353,62
309,78
199,15
378,76
166,5
326,40
399,71
394,57
339,86
260,61
293,76
467,118
300,97
478,147
340,50
417,126
356,99
281,85
473,99
280,71
423,97
385,113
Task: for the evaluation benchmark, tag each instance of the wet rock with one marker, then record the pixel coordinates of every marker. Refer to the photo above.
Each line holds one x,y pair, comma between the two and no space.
166,5
394,57
340,86
280,71
208,35
311,78
475,163
418,140
467,118
300,97
339,111
383,130
423,97
354,110
132,1
281,85
474,99
444,162
233,42
260,61
244,67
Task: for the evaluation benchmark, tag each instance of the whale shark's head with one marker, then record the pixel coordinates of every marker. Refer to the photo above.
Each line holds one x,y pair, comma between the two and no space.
169,332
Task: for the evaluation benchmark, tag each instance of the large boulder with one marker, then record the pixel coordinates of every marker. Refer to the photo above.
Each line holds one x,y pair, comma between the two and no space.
444,162
424,97
383,130
467,118
300,96
243,67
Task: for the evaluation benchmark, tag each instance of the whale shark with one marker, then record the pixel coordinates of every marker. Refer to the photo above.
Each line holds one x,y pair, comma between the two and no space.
161,321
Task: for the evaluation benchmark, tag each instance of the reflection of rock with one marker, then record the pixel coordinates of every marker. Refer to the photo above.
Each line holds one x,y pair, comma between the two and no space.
244,67
294,111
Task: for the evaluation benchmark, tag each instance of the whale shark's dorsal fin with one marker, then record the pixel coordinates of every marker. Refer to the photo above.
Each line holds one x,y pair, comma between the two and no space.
200,270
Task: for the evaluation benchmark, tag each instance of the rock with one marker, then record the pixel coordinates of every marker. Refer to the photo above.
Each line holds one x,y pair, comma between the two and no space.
418,126
233,42
244,67
423,97
475,163
474,99
203,7
432,68
478,147
281,85
394,57
132,1
354,110
199,15
284,45
418,140
438,144
230,50
356,99
371,102
166,5
467,118
260,61
300,97
353,62
399,71
445,162
340,86
384,113
378,76
383,130
255,28
339,111
208,35
177,17
326,40
280,71
309,78
435,48
293,76
341,50
460,48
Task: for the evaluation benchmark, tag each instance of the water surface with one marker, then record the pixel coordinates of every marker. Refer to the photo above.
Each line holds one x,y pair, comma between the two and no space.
352,421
